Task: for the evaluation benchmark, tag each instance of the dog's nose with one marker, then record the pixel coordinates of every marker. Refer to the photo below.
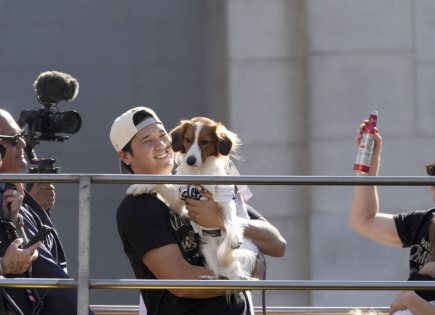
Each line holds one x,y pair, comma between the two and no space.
191,160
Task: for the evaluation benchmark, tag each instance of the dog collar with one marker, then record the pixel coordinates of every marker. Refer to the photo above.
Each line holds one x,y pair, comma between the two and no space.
212,233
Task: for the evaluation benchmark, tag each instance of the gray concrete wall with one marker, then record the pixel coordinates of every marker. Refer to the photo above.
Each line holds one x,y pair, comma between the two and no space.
267,97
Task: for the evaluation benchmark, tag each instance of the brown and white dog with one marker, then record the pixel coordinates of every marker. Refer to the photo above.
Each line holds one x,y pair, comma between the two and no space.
205,147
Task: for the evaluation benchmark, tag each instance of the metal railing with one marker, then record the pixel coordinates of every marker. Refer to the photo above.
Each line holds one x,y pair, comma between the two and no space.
274,310
84,283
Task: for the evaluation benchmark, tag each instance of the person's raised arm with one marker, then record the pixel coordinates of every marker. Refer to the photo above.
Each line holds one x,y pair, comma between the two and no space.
365,217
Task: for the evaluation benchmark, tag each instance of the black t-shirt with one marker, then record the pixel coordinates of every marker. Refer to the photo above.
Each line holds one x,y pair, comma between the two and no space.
425,294
146,223
413,230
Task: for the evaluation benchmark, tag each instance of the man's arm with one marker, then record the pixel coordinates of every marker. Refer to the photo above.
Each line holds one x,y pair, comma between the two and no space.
267,238
167,262
365,217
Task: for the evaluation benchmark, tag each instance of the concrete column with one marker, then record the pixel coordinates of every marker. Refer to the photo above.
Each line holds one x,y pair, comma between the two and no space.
266,65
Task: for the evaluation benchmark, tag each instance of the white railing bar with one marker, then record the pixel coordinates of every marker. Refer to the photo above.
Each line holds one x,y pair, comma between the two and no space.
29,178
323,309
260,284
46,283
84,245
115,309
356,285
269,180
134,309
244,179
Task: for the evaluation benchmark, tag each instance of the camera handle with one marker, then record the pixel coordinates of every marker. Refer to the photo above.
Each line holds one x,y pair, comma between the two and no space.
45,165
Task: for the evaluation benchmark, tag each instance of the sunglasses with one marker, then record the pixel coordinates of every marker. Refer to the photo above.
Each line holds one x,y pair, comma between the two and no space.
430,169
14,139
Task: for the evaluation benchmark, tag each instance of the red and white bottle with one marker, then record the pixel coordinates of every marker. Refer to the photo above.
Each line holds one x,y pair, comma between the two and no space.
367,145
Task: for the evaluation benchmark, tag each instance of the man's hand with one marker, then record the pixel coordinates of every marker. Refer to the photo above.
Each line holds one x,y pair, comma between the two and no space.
205,212
376,157
12,200
44,194
17,260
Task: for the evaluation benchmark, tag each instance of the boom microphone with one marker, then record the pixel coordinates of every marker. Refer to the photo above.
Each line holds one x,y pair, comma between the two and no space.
48,123
53,86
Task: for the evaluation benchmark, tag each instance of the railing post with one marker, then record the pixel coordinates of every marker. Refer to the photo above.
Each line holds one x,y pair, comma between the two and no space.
84,245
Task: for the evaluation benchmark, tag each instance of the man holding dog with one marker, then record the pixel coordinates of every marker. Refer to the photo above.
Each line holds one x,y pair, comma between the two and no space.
159,243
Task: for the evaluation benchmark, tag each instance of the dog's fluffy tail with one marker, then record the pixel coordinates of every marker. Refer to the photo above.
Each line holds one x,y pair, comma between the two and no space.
225,251
219,256
236,263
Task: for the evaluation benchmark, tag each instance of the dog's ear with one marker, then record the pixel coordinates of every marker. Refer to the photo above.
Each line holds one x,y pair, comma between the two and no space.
228,141
177,137
225,144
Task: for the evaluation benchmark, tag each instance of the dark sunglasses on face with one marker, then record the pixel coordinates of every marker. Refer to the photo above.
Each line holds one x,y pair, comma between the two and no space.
14,139
430,169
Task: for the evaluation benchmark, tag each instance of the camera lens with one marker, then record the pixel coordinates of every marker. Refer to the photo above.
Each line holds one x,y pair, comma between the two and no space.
71,122
65,122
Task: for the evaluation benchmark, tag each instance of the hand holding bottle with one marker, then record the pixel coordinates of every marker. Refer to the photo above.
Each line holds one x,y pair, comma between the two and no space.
369,144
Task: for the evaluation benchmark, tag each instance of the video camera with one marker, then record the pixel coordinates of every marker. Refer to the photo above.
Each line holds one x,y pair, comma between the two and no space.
48,123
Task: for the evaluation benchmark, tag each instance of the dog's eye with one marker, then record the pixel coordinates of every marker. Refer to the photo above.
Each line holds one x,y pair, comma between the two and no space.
205,142
187,140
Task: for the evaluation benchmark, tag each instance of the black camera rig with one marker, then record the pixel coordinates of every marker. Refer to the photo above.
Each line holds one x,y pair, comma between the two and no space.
48,123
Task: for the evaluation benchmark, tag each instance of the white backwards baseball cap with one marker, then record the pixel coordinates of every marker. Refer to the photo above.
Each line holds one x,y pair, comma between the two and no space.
124,128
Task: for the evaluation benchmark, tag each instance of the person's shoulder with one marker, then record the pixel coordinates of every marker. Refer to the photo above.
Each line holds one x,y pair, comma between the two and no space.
415,217
147,197
31,207
147,201
428,213
416,213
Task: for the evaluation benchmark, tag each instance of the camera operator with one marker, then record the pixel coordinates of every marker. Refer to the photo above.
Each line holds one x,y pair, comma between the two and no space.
15,259
51,262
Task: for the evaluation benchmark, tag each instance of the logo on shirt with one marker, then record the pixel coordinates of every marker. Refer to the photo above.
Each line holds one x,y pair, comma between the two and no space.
420,254
191,191
187,239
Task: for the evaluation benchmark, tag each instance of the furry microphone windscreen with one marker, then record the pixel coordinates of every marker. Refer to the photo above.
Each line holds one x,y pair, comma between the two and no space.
52,87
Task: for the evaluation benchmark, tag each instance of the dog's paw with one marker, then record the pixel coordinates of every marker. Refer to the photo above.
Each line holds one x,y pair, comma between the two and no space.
207,277
139,189
236,242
